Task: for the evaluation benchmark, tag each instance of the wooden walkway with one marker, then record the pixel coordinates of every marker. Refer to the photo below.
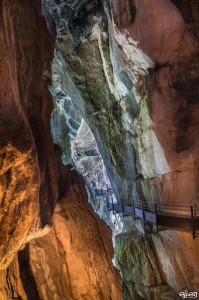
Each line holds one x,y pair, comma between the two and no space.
171,215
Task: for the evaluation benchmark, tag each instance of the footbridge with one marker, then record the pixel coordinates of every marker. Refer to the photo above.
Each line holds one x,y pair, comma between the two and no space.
174,216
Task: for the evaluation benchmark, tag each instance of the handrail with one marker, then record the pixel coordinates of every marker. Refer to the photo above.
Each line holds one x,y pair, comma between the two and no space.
183,216
160,204
103,192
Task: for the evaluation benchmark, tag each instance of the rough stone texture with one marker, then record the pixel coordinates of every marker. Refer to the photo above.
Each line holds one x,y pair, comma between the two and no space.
135,83
177,252
135,258
29,182
73,261
90,164
100,95
28,188
169,35
167,126
11,286
64,119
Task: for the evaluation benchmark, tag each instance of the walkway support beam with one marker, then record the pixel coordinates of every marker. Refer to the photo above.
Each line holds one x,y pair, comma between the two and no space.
193,222
156,217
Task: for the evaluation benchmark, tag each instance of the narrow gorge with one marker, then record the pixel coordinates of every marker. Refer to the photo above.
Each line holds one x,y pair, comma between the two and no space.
99,123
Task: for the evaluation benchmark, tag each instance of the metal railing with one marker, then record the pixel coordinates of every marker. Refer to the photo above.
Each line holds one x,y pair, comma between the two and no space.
103,192
170,215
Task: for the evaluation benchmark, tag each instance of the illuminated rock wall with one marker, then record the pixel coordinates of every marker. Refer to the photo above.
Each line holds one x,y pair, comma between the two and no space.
33,180
28,170
131,70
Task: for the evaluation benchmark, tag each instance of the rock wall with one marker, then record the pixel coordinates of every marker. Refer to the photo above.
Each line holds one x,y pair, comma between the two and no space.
33,179
73,261
167,31
131,70
11,286
28,170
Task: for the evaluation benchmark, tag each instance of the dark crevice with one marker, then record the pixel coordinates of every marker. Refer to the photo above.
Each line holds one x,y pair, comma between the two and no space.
132,9
186,9
27,277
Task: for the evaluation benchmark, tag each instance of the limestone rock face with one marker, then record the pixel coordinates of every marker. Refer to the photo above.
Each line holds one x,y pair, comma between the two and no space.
74,260
90,164
100,95
135,257
64,119
131,70
167,31
28,188
167,125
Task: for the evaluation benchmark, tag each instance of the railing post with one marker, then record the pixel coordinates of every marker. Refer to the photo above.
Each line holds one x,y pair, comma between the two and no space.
133,210
195,219
193,223
112,205
122,208
107,203
156,217
143,213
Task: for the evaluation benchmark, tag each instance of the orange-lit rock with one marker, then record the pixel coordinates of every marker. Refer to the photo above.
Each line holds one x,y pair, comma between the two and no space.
28,171
29,179
141,78
11,286
74,260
